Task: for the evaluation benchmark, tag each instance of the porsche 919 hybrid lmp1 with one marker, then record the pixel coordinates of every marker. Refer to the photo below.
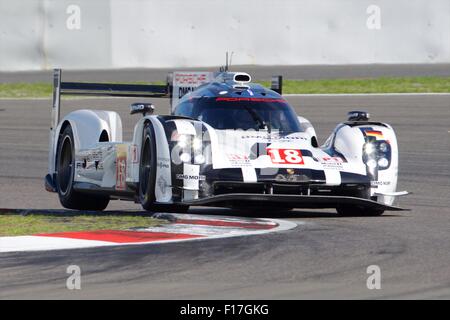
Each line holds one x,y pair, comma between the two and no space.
227,142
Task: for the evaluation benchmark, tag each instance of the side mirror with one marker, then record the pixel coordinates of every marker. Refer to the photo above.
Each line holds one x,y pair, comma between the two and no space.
143,108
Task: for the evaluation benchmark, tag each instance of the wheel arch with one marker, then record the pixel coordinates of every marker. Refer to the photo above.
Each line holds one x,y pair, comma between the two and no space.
307,127
163,190
349,140
88,126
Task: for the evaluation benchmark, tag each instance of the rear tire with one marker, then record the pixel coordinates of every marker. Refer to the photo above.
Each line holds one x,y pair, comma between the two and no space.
147,176
359,211
65,170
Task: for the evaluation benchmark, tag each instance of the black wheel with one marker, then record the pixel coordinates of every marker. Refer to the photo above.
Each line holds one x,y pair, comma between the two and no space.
359,211
170,208
65,170
147,176
267,209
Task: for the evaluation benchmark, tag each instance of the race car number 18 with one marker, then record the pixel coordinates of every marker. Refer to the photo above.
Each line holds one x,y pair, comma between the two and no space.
288,156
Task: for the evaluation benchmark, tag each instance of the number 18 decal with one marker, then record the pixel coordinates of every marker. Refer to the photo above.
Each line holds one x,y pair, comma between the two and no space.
288,156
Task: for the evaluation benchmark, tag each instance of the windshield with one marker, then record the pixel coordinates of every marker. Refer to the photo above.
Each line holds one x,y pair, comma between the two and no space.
243,113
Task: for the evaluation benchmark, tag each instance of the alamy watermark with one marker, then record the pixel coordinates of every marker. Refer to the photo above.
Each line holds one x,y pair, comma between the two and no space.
73,21
373,21
73,282
374,280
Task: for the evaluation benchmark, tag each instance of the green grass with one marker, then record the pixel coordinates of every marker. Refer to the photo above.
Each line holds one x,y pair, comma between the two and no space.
376,85
16,225
38,90
25,90
372,85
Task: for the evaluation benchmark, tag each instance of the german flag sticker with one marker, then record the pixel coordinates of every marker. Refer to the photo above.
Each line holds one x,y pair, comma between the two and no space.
369,132
374,133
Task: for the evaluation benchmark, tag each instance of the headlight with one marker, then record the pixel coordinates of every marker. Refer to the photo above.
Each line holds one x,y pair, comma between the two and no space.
183,141
383,147
369,148
185,157
196,144
383,162
377,154
371,163
199,159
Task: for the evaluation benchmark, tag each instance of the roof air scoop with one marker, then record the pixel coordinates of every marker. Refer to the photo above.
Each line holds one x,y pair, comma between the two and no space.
358,116
237,80
241,77
240,80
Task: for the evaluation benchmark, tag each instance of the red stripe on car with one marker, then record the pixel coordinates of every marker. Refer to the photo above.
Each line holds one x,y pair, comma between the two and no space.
251,99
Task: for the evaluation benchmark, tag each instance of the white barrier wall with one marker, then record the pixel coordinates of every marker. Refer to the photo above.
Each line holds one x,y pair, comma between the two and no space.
85,34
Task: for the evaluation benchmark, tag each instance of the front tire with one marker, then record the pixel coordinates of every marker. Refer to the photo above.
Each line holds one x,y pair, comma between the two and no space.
265,210
359,211
65,170
147,176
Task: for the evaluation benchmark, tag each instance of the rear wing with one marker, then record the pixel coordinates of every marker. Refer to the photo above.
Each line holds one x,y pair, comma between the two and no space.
276,84
100,89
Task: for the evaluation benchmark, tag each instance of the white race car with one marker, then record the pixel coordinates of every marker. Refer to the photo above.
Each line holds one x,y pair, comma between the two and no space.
227,142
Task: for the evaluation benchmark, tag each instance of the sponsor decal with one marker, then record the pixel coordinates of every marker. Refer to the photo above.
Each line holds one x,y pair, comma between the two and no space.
181,176
162,163
190,78
237,157
134,153
272,137
185,82
184,90
285,156
332,162
121,166
239,160
162,185
191,178
376,184
89,165
94,155
91,159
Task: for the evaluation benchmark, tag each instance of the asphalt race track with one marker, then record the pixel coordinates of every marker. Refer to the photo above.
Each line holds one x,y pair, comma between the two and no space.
306,72
325,257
